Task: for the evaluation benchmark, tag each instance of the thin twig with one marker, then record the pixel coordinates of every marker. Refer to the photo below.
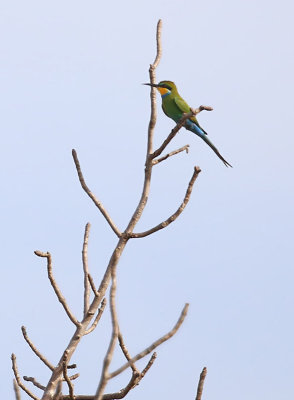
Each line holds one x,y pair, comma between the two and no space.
149,365
73,377
97,319
158,44
172,153
86,268
16,390
66,378
18,380
201,383
175,215
154,344
34,382
123,392
134,381
115,330
92,284
93,197
126,352
56,288
37,352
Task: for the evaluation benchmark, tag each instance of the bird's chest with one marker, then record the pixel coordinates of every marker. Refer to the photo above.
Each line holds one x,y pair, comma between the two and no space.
171,109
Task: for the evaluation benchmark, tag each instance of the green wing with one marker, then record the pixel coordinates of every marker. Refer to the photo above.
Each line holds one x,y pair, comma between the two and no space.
184,107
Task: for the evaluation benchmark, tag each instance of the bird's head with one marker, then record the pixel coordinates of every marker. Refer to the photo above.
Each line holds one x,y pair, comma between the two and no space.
164,87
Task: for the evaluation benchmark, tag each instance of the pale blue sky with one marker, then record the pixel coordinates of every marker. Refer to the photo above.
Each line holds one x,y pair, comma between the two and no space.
71,75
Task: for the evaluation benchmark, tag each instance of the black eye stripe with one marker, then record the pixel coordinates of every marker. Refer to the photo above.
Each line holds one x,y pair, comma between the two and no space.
166,86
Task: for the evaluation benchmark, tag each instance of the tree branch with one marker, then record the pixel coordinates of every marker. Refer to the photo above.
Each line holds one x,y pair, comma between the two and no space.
97,319
16,390
37,352
172,153
92,284
201,383
56,288
126,353
115,330
175,215
34,382
97,203
86,268
18,380
154,344
176,129
66,378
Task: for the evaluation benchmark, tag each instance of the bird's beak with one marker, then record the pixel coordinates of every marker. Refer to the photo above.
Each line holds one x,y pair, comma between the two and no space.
150,84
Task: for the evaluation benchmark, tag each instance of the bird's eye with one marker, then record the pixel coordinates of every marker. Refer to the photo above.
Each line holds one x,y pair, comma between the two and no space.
166,87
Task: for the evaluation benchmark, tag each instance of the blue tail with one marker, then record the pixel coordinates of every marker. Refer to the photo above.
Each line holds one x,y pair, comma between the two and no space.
191,126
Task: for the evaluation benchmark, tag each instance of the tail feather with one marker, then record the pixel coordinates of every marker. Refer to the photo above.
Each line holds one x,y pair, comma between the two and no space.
191,126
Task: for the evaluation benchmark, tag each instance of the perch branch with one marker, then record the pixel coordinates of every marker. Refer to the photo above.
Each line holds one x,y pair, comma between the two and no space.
34,382
97,203
55,286
175,215
115,330
154,344
179,125
37,352
18,380
97,319
172,153
201,383
86,268
66,378
16,390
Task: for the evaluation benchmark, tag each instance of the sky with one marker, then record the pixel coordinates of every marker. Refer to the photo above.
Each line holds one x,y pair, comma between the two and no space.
71,77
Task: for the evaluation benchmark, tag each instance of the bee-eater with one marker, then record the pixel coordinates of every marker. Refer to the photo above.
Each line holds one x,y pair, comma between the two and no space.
175,107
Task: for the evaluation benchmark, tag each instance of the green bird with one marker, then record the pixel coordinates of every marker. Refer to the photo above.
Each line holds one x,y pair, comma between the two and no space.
174,106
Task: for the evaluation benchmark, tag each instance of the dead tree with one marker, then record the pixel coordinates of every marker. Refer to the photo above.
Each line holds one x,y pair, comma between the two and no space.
94,296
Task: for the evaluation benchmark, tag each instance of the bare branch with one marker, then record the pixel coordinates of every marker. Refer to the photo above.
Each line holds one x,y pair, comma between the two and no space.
92,284
175,215
149,365
55,287
154,344
201,383
18,380
123,392
126,352
34,382
37,352
73,377
97,319
86,268
58,392
66,378
152,77
172,153
97,203
115,330
158,44
16,390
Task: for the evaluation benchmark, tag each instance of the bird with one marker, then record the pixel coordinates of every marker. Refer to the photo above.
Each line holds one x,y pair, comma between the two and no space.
174,106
